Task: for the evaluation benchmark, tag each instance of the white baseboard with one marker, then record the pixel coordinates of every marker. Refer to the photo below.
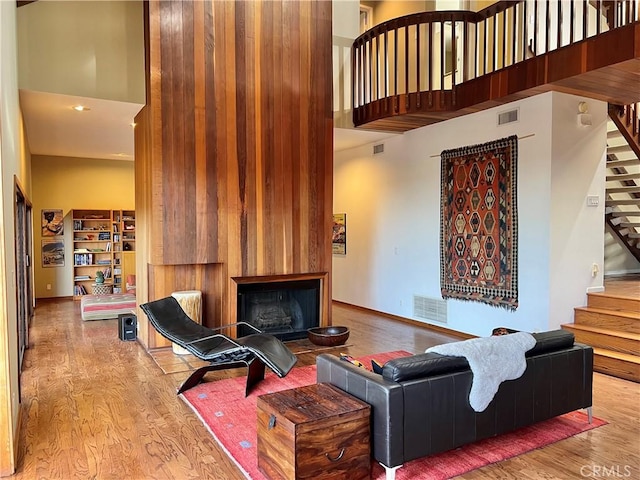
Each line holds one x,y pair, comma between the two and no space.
621,273
595,289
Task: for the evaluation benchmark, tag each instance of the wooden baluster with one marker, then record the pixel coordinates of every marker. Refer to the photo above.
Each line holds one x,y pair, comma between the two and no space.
354,79
525,31
386,70
535,28
378,67
430,60
370,56
559,26
442,53
418,65
396,64
406,65
572,19
548,29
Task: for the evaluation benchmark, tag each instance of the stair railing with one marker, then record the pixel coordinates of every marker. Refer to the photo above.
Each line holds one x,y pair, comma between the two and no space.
432,52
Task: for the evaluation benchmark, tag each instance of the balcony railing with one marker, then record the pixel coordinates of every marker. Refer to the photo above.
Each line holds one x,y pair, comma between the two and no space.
435,51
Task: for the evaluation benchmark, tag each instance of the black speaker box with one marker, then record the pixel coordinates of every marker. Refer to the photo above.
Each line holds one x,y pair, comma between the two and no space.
127,326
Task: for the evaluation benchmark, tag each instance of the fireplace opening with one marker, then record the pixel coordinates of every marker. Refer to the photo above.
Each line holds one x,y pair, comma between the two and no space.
283,309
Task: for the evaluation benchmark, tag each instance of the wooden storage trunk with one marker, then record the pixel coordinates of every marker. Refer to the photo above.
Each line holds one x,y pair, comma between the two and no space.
313,432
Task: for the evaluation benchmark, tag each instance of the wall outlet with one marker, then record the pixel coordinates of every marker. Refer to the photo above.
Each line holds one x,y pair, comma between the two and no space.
48,286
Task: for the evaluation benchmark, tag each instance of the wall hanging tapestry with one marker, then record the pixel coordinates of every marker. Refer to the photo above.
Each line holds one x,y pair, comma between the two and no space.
478,236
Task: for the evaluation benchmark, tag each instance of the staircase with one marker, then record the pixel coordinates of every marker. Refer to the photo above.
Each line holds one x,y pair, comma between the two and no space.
622,203
610,323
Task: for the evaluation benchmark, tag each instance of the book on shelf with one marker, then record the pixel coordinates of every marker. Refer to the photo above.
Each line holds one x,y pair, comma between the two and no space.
79,290
79,278
109,246
82,259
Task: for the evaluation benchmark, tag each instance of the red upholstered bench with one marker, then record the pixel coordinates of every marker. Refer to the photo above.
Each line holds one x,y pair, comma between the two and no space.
102,307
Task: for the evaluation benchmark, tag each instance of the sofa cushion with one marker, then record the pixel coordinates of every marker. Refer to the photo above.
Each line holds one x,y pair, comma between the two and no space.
428,364
421,365
553,340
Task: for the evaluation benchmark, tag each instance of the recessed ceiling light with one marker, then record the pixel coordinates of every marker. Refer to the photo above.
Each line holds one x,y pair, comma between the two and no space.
81,108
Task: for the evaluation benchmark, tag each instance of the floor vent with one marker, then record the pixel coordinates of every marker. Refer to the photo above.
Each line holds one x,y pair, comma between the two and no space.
378,148
508,117
434,309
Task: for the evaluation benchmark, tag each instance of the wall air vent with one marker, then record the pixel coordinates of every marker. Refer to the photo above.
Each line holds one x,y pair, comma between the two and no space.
378,148
509,117
434,309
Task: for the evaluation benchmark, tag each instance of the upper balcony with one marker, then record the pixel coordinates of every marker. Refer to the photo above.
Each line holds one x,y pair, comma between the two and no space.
428,67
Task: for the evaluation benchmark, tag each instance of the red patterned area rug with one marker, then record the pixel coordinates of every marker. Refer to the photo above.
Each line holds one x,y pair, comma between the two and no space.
231,419
479,237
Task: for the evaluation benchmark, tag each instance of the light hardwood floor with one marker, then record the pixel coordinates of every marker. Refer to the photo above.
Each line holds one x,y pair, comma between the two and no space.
95,407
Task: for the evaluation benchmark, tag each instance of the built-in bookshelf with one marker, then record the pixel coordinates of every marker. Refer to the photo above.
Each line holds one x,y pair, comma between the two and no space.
99,238
124,240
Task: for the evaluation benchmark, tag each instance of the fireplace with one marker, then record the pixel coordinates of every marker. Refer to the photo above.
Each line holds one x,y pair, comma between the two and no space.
285,309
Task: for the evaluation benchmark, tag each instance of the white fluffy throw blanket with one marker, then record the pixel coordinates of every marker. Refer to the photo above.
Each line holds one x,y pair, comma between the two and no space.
492,360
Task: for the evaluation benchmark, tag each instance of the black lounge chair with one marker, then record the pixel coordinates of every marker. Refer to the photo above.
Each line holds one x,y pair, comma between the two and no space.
253,351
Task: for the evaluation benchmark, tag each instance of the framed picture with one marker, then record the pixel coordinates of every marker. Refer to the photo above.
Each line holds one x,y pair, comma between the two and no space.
339,237
52,223
52,252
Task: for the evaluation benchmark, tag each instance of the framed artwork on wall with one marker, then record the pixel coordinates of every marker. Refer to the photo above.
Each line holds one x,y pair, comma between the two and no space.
52,252
52,222
339,237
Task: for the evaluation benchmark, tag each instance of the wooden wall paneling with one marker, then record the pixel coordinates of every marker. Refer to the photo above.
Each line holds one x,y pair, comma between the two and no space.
239,168
166,279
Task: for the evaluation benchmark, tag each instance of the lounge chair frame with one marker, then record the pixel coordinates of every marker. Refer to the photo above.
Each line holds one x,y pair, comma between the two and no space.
254,351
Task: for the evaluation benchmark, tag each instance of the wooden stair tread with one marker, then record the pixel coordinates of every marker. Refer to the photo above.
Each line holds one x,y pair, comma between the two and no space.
626,357
604,311
603,331
615,296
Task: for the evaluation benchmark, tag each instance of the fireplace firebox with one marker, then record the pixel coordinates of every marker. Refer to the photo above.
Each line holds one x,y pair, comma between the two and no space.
285,309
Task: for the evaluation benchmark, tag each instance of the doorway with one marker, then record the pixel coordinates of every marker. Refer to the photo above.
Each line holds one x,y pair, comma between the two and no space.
24,277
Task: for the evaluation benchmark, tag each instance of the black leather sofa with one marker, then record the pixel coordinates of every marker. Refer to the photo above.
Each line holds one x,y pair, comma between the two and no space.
420,403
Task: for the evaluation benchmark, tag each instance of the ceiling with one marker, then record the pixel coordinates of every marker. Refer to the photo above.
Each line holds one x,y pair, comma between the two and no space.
55,128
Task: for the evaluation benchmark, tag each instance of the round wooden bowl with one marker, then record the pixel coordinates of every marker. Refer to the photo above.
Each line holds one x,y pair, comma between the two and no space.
328,336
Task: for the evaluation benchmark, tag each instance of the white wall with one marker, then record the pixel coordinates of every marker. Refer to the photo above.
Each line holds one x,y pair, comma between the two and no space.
577,231
618,260
83,48
393,215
